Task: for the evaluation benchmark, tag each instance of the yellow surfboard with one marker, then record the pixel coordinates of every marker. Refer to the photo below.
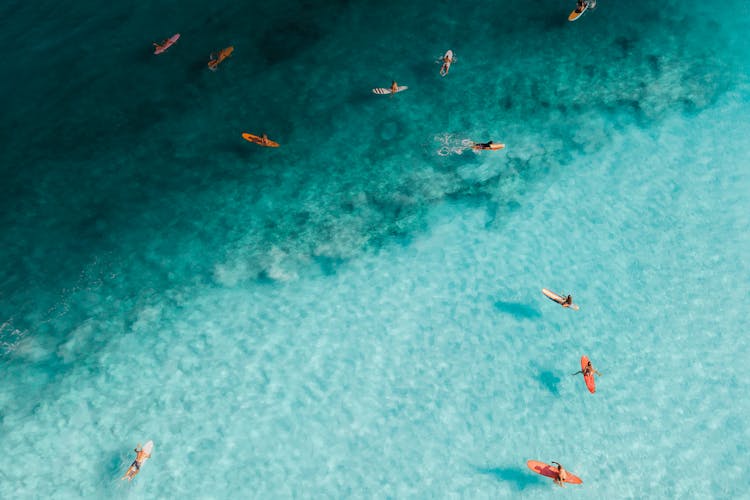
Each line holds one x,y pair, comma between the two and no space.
575,14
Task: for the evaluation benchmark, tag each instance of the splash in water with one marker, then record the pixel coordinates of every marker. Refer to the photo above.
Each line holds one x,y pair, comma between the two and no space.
450,144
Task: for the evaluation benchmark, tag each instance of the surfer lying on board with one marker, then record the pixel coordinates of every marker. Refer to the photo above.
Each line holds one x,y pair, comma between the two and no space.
562,475
447,61
567,302
483,145
589,370
264,139
140,456
583,4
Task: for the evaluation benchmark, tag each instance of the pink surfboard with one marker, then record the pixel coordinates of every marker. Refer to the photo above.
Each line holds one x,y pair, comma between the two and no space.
163,46
550,471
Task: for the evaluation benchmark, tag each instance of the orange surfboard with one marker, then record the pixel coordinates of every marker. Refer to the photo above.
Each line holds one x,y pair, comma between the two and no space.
259,140
217,59
550,471
589,379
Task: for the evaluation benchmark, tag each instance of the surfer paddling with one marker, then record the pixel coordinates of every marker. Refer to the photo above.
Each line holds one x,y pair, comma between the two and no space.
135,467
562,475
393,89
568,301
558,474
160,48
447,61
491,146
588,370
216,59
582,5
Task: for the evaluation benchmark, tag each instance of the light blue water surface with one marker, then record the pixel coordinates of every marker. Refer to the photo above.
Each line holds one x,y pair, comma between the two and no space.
358,313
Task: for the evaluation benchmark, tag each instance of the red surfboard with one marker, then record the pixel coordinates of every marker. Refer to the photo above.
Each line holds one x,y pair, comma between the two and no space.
589,379
551,471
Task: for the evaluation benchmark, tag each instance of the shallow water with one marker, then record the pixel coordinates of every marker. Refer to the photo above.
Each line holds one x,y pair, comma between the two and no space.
357,314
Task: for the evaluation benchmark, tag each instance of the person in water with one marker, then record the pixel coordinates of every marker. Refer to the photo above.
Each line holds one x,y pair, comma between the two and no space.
582,4
264,139
140,456
588,370
394,87
567,302
447,60
562,475
483,145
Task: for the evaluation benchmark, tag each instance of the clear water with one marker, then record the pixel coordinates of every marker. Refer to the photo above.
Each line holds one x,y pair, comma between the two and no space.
358,313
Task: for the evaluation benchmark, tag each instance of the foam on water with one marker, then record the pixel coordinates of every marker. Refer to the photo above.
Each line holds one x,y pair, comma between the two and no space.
356,314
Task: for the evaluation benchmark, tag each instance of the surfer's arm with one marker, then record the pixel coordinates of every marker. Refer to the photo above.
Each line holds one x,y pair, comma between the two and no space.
597,372
576,373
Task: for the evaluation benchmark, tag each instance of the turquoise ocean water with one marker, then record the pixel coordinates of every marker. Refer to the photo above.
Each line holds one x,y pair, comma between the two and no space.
357,314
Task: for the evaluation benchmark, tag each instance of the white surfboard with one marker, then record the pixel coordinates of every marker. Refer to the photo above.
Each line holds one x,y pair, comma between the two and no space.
446,64
148,447
557,298
382,90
